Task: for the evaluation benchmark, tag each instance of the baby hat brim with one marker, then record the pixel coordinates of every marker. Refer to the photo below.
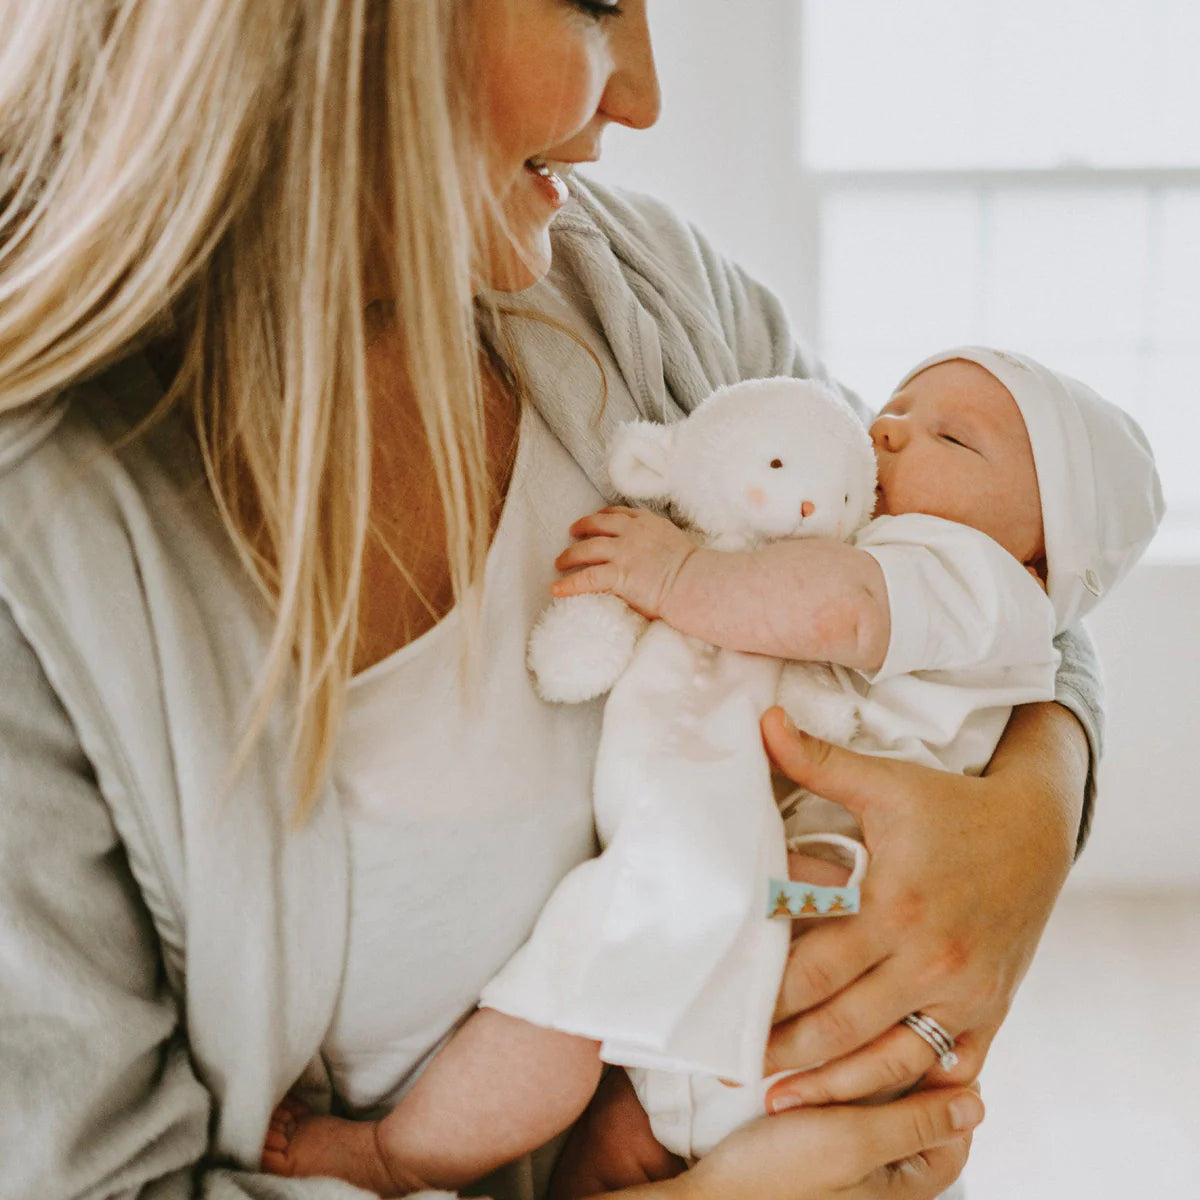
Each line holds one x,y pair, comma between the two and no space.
1100,492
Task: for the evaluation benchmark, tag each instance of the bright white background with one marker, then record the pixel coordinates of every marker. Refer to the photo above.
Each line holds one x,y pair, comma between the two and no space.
909,174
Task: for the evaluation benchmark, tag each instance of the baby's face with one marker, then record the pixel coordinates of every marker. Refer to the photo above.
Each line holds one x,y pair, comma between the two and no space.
952,443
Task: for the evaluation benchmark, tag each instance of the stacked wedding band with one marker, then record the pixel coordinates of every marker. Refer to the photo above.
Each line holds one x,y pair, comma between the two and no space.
930,1031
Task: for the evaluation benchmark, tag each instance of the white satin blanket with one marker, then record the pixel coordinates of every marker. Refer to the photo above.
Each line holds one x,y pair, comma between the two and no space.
660,948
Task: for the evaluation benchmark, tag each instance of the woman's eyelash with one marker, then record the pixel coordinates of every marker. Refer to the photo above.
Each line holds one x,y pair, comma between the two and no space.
598,9
954,441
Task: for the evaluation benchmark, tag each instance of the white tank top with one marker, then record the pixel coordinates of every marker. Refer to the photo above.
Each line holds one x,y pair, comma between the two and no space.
461,820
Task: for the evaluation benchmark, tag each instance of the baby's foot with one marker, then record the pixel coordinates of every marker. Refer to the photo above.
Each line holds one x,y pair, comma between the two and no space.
278,1156
300,1144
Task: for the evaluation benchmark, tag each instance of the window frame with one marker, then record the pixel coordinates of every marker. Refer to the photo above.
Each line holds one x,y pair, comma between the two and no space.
811,187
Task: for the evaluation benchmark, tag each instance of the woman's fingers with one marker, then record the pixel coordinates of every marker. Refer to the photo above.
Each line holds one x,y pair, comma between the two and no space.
923,1175
848,1021
893,1062
917,1124
823,962
850,1152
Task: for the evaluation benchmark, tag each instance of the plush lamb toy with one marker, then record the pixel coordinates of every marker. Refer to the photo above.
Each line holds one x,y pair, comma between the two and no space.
710,470
660,948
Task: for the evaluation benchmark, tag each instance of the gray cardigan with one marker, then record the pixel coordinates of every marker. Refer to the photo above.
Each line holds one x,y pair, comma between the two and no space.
168,964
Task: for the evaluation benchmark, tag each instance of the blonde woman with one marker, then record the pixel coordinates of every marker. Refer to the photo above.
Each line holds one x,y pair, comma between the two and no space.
283,461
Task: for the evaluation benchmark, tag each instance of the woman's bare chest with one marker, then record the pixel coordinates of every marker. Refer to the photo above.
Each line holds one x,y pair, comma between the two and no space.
406,587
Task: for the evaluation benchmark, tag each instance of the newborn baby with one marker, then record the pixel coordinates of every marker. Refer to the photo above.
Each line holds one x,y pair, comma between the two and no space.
1009,500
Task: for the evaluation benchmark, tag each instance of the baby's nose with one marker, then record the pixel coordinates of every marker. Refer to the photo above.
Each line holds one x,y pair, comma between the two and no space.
807,508
886,431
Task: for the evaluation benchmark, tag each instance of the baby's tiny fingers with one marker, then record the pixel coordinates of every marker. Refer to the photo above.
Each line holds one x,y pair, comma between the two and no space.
606,523
588,579
294,1105
585,554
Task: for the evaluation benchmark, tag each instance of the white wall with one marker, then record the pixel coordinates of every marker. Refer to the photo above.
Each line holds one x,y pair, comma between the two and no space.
723,155
1147,827
721,152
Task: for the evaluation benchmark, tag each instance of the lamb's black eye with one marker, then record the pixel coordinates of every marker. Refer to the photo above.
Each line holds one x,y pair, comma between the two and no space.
776,463
846,498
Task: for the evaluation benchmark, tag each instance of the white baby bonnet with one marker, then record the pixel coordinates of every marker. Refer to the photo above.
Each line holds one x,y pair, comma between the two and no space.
1101,496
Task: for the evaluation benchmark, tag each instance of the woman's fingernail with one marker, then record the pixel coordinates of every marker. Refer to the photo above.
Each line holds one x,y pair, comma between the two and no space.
789,726
966,1111
784,1101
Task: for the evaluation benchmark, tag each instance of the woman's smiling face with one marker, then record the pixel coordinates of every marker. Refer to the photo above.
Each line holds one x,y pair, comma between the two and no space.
549,76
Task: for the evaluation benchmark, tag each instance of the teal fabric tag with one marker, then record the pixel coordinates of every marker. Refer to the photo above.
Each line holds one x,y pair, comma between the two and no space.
790,900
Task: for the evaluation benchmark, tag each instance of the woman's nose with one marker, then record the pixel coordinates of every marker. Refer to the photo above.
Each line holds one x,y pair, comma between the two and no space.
632,96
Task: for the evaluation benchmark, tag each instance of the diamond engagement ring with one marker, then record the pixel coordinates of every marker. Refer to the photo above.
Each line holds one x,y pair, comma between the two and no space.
928,1030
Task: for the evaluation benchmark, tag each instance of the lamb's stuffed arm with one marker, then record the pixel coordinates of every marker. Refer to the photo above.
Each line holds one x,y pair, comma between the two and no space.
581,645
811,694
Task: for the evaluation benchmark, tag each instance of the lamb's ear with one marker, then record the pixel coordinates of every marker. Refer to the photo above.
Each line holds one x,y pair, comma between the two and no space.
639,459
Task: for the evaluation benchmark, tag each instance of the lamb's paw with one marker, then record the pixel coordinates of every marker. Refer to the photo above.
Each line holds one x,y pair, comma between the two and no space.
581,645
812,697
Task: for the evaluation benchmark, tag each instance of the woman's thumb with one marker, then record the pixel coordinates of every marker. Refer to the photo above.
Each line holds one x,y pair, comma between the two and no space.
850,779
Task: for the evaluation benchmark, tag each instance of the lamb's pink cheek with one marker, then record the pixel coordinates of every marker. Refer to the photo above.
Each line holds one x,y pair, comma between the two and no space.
756,497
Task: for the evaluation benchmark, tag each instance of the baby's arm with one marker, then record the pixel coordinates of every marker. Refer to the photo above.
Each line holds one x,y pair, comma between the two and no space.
808,598
500,1088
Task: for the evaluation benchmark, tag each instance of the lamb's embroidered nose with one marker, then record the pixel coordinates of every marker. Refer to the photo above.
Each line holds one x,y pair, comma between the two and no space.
807,508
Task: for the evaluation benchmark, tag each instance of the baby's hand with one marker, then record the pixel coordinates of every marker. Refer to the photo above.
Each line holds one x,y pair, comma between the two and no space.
629,552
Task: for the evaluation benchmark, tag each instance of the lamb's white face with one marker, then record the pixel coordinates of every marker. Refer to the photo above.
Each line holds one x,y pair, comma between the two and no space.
756,463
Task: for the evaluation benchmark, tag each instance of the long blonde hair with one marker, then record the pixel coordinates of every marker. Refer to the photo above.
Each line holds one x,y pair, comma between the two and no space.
239,167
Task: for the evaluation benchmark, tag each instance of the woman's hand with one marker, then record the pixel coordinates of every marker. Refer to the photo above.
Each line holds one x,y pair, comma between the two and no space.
964,873
910,1149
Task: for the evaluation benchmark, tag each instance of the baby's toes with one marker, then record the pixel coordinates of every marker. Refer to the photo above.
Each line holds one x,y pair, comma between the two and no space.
275,1160
293,1105
278,1136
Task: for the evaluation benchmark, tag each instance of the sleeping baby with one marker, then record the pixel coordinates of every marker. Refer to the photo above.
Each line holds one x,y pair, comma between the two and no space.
1010,499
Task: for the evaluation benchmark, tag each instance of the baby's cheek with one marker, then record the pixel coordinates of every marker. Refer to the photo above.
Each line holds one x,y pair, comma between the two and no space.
756,497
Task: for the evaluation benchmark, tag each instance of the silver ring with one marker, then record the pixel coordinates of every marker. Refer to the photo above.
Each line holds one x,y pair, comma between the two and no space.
929,1031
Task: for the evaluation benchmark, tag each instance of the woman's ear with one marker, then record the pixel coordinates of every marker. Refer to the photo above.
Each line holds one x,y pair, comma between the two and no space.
640,458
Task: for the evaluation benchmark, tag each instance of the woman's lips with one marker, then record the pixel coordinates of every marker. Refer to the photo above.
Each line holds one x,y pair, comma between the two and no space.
549,183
